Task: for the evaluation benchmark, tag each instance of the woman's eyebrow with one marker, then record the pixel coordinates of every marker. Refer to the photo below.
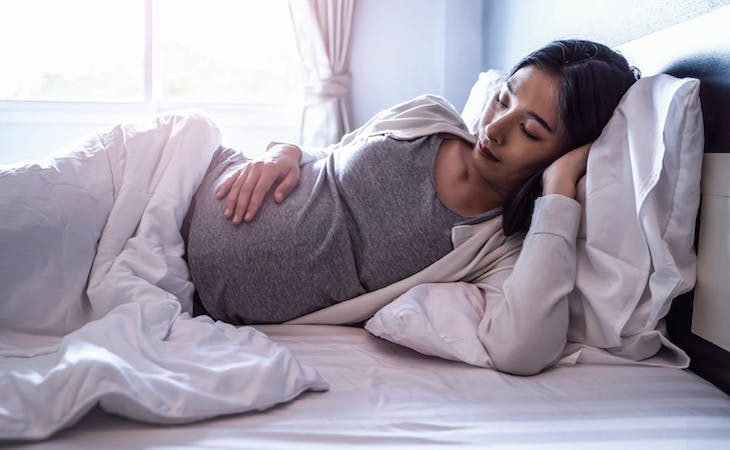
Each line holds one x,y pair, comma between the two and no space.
532,114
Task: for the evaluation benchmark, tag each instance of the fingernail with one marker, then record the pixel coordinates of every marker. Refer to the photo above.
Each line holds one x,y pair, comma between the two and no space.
237,218
227,212
248,217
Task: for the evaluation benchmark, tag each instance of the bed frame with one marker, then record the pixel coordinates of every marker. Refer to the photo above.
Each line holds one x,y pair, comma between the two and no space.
700,48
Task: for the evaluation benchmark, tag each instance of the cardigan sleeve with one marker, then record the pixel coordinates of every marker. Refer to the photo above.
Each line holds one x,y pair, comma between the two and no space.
525,324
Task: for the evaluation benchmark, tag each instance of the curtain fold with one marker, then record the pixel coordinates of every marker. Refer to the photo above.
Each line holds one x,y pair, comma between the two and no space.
322,30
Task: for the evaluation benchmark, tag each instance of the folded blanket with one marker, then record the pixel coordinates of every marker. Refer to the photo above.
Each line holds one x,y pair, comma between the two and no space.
96,294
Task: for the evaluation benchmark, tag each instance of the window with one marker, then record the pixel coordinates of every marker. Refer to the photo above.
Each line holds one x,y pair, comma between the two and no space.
104,61
247,46
230,51
72,58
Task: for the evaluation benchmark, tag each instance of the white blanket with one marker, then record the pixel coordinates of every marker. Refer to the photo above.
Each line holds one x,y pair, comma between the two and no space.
96,295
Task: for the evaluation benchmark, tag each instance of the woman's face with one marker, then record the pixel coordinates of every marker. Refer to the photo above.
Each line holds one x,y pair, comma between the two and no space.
520,131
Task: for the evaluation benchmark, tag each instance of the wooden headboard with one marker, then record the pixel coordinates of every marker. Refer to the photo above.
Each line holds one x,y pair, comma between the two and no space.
700,48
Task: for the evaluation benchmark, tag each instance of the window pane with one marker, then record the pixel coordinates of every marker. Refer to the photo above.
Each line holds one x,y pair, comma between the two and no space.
228,51
72,49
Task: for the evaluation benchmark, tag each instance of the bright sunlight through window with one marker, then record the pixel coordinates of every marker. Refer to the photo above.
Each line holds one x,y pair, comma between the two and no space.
149,51
72,50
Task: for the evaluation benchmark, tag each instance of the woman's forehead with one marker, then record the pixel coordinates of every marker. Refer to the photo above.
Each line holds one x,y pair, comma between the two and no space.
537,91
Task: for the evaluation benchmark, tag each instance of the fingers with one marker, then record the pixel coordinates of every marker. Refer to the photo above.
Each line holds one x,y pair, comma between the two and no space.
246,189
585,148
231,188
583,151
254,193
226,186
243,198
582,159
562,175
574,161
290,181
237,198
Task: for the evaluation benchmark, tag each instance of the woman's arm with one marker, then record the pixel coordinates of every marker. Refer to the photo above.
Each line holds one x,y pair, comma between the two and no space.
525,324
526,318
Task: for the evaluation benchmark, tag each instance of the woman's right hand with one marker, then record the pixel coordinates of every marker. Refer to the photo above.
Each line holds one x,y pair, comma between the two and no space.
564,174
246,188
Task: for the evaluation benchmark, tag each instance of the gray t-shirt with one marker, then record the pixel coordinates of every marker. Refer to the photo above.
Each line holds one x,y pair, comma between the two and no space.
360,219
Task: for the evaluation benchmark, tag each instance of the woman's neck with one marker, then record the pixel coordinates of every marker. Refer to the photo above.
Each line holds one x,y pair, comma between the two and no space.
458,185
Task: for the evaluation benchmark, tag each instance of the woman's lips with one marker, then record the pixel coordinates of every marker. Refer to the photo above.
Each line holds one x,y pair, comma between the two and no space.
486,154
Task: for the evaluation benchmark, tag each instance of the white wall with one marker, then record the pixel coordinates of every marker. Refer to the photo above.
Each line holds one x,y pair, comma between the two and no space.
404,48
513,28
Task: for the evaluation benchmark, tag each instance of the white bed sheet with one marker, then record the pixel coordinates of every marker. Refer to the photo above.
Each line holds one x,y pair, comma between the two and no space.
386,396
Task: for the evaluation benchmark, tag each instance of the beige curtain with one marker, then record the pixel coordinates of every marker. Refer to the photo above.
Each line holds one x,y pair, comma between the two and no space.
322,29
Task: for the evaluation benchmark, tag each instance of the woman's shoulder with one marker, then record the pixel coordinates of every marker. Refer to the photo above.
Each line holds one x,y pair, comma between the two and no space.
424,115
421,116
426,104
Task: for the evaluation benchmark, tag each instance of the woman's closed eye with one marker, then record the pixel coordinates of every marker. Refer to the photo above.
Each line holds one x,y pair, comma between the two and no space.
527,133
501,104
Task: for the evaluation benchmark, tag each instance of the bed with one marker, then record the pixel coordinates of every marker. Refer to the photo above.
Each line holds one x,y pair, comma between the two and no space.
383,395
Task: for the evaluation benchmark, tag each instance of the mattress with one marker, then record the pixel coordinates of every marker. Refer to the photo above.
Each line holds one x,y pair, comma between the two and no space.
386,396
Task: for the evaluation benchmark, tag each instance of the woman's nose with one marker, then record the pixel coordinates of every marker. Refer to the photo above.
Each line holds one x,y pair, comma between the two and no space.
495,130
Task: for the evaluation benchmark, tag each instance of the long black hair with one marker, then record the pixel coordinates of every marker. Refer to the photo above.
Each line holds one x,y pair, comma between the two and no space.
594,78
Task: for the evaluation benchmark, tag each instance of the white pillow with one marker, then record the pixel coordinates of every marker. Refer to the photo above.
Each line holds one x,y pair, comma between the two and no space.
658,129
438,319
482,91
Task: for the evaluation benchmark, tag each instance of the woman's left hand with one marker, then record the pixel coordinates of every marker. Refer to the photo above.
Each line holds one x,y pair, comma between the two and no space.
562,176
245,189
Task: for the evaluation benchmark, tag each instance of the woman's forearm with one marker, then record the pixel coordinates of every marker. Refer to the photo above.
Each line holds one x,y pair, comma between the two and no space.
526,318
